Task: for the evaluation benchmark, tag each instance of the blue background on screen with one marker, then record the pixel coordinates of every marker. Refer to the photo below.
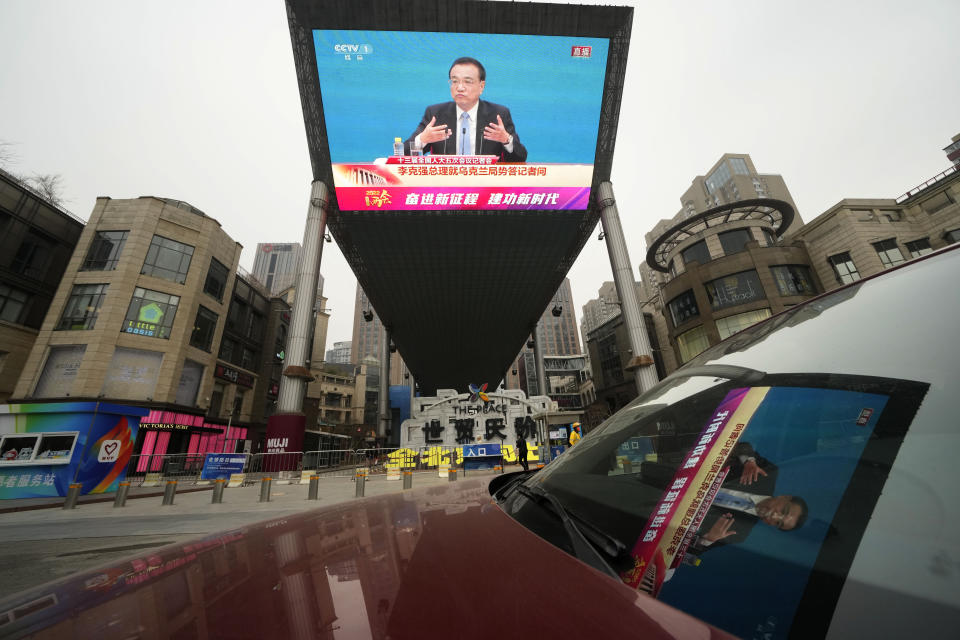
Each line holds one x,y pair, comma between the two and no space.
812,437
553,97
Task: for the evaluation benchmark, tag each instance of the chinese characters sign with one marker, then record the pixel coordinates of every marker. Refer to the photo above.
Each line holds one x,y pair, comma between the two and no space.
218,465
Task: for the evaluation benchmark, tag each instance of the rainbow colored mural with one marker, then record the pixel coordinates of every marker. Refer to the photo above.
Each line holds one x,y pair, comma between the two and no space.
44,447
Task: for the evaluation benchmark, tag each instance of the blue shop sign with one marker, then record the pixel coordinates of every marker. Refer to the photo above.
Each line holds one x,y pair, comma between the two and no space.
221,465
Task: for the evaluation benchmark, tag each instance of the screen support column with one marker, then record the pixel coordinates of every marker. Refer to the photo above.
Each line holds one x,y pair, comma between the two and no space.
290,422
384,400
644,373
542,388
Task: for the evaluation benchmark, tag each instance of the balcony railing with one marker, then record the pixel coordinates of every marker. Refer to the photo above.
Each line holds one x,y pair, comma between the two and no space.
251,280
929,183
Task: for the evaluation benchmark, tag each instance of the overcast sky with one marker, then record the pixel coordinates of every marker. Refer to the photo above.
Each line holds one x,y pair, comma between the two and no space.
197,100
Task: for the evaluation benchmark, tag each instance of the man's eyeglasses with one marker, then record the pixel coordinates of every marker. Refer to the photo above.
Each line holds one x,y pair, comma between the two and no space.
467,82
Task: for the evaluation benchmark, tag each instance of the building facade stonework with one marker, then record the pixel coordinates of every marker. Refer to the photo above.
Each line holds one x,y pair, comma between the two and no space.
857,238
100,315
139,318
717,266
708,281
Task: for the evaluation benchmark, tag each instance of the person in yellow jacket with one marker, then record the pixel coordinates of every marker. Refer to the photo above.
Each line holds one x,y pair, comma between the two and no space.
574,433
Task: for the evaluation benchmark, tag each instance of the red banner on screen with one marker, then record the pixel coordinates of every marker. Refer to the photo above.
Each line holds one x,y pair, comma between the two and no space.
431,159
486,198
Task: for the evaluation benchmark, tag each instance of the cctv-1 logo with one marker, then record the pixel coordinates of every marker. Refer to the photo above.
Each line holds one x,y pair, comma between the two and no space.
353,48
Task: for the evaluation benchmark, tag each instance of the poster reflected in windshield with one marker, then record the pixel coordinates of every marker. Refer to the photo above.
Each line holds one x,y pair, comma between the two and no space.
761,510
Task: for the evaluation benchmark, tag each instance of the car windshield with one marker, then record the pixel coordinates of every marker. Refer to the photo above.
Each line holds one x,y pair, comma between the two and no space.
745,483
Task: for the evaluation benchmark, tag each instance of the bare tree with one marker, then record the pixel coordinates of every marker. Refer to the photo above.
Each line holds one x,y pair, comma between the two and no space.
48,185
8,154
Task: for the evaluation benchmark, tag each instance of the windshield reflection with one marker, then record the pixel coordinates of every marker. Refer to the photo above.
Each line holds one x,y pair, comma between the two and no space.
775,480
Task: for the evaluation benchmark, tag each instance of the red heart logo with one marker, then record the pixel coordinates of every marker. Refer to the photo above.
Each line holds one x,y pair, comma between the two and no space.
111,447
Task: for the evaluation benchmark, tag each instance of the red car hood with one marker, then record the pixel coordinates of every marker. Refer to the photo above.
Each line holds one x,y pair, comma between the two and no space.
442,561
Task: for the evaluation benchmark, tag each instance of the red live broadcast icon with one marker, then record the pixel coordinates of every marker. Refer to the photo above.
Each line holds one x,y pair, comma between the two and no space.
581,52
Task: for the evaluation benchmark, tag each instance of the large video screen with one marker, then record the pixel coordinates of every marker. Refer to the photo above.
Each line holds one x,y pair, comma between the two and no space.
484,121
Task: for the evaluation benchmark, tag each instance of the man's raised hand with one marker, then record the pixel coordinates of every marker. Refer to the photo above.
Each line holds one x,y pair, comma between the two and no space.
434,132
720,529
496,131
751,472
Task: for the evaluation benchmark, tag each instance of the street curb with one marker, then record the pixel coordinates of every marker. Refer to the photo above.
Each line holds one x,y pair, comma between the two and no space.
110,498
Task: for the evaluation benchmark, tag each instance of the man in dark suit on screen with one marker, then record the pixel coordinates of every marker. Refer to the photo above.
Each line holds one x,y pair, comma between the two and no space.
468,125
746,497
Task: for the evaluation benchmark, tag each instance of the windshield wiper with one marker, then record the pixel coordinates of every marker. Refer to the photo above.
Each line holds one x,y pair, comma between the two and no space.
511,483
585,549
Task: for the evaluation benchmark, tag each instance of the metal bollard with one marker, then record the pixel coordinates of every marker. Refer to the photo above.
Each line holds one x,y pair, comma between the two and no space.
361,480
72,494
265,489
169,492
408,479
121,499
314,492
452,475
218,486
627,466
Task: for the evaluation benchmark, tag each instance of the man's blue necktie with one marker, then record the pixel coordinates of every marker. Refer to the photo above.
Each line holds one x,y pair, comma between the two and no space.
732,501
465,134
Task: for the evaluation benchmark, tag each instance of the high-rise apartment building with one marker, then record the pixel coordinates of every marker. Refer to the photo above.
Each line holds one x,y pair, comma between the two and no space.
600,309
605,306
275,264
340,354
734,178
367,337
557,332
558,335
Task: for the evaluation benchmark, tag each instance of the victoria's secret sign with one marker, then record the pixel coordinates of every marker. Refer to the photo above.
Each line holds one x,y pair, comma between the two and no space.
165,426
232,375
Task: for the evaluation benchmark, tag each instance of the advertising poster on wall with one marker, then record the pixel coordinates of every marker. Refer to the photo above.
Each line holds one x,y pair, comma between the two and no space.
528,142
46,447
